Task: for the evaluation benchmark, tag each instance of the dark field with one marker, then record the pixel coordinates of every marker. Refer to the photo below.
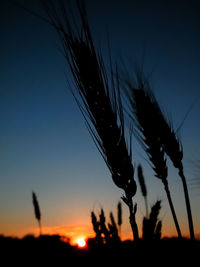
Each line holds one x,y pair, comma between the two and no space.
52,251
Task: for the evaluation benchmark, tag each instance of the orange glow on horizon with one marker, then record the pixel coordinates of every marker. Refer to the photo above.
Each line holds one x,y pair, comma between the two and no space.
72,232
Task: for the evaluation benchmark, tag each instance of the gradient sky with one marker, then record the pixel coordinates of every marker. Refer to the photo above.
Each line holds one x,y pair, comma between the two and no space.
44,143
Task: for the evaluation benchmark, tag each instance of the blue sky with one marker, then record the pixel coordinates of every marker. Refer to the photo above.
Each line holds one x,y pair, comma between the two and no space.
45,145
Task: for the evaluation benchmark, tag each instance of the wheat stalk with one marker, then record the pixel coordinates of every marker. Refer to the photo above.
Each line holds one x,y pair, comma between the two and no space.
102,223
119,216
95,222
168,138
98,98
150,224
112,220
37,211
158,230
173,148
113,229
143,187
97,229
143,112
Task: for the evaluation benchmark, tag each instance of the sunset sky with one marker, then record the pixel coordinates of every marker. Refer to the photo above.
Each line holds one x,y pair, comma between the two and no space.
44,143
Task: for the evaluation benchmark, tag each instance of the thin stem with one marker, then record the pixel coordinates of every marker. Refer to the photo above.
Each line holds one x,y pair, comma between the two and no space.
133,221
187,202
119,227
40,227
146,206
172,207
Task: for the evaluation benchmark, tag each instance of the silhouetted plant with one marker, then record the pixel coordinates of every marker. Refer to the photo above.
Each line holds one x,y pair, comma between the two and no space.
37,211
113,229
105,234
96,228
104,230
133,210
119,216
98,98
151,225
158,231
169,140
143,187
173,148
145,116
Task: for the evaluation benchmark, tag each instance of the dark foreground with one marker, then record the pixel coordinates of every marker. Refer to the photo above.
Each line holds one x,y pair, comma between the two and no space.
52,251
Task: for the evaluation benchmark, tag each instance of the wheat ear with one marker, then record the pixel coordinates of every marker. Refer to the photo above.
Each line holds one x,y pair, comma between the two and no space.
37,211
169,141
97,96
145,118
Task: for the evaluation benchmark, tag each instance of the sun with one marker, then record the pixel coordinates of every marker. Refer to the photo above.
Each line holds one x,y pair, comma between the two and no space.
81,242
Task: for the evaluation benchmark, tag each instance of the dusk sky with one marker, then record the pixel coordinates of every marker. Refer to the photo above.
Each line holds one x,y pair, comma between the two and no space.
45,145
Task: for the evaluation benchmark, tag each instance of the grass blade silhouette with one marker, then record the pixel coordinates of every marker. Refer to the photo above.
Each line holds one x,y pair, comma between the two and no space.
37,211
143,188
97,97
144,116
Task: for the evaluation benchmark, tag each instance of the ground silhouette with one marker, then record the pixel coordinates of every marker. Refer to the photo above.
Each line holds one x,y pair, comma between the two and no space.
52,250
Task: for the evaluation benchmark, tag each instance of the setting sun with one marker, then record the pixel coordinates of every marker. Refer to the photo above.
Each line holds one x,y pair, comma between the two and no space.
81,242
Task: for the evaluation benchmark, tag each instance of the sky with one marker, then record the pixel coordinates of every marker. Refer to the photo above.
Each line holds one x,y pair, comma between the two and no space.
45,145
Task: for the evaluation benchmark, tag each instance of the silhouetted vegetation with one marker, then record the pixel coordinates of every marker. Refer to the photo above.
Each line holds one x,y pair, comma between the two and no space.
105,234
147,129
119,216
143,188
52,250
151,225
37,211
98,95
109,233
